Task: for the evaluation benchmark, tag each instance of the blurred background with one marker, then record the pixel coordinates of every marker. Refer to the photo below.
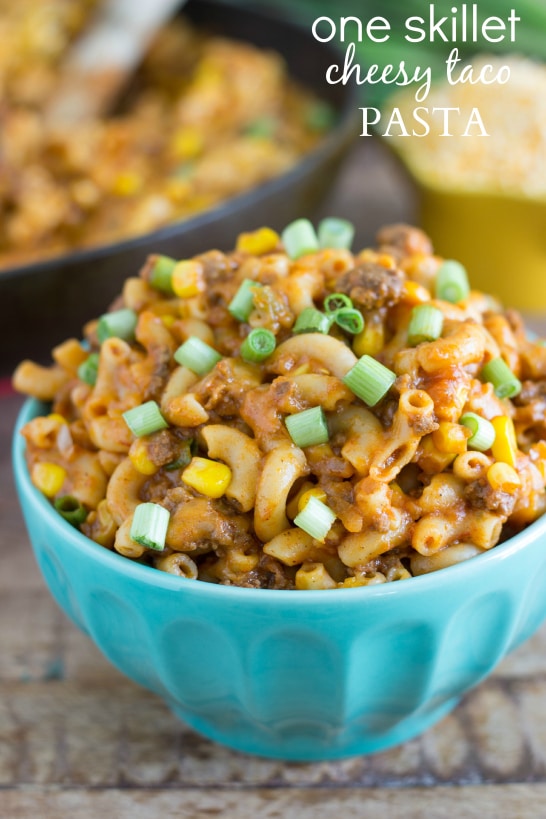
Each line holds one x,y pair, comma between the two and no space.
227,123
482,199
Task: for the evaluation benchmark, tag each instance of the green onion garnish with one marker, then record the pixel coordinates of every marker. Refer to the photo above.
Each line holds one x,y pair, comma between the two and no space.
144,419
161,274
426,324
319,116
184,457
299,238
337,233
258,345
118,324
315,518
149,525
335,301
261,128
369,380
88,369
503,379
242,303
483,431
184,171
197,356
71,509
452,282
311,320
349,319
308,428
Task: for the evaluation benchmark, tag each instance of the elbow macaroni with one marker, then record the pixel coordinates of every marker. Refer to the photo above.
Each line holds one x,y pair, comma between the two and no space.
408,492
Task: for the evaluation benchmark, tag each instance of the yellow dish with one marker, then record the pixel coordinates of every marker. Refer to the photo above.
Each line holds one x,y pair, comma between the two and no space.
483,198
501,240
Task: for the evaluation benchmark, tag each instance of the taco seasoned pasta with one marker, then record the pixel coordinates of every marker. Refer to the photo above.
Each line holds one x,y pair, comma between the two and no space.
293,415
205,119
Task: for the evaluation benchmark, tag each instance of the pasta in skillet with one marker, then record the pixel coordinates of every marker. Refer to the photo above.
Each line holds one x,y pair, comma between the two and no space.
291,415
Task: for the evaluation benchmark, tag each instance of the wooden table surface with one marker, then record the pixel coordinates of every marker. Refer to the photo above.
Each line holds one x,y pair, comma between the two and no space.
78,740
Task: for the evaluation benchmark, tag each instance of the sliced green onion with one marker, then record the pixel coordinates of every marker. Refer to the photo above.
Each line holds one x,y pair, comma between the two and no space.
71,509
337,233
503,379
311,320
369,380
184,457
349,319
197,356
258,345
335,301
161,274
261,128
144,419
299,238
452,282
118,324
483,431
315,518
308,428
426,324
242,303
149,525
88,369
184,171
320,116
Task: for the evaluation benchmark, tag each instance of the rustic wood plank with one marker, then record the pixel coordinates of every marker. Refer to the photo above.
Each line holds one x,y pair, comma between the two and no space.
501,802
117,734
528,660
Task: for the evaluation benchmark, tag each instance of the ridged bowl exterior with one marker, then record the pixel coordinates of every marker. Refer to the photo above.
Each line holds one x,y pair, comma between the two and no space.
295,675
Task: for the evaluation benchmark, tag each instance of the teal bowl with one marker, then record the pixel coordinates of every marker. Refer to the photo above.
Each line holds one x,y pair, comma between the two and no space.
297,675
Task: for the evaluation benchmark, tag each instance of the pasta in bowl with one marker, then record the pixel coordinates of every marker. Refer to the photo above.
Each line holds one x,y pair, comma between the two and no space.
242,428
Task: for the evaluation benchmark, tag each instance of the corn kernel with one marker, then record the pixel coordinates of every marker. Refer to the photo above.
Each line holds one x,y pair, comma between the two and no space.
57,417
127,183
138,453
371,340
505,446
261,241
414,293
292,507
305,497
187,143
451,438
503,477
48,477
186,279
168,321
208,477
